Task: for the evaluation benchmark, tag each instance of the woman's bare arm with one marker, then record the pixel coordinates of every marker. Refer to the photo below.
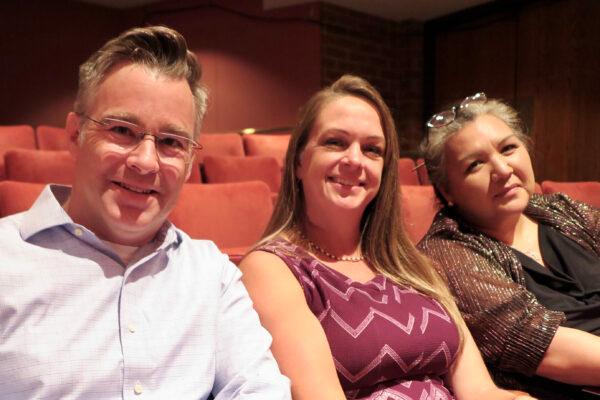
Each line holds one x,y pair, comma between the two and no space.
299,342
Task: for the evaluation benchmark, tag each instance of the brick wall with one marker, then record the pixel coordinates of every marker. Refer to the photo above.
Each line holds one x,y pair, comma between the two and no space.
388,54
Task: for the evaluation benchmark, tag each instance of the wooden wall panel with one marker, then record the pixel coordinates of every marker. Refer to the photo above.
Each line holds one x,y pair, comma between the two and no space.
558,73
473,58
259,67
543,57
41,48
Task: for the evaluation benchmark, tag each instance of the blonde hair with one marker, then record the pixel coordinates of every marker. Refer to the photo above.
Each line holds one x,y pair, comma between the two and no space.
158,48
384,241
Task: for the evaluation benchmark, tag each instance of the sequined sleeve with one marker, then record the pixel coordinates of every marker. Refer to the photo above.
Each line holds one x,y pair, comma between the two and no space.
510,327
574,219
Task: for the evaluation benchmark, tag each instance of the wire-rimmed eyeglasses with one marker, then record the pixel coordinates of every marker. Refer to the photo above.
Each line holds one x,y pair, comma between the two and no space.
448,116
127,135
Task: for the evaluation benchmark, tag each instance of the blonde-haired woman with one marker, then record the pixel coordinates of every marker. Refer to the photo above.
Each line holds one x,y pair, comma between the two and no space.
355,311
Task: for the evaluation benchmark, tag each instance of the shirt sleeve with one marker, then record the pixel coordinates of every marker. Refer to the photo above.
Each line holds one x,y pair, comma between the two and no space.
511,328
245,367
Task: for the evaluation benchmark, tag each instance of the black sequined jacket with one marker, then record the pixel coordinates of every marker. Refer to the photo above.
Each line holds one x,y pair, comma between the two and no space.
510,327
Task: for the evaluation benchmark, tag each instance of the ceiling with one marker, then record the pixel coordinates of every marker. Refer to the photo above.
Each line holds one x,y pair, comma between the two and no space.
397,10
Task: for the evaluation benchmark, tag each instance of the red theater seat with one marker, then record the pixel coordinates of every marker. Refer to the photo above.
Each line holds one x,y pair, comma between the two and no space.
220,144
422,172
195,174
15,137
233,215
222,169
407,174
587,192
41,166
418,208
16,197
274,145
52,138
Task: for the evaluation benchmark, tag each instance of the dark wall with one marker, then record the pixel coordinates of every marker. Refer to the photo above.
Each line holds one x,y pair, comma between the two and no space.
42,44
389,54
543,57
259,66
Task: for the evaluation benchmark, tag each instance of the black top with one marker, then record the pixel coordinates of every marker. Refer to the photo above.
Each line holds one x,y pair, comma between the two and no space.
570,282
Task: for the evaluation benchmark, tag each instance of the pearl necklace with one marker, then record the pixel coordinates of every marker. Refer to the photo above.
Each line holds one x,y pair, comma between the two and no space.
321,250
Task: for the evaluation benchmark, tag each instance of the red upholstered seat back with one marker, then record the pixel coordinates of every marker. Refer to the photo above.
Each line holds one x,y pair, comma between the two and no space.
195,174
223,169
220,144
16,197
230,214
407,175
422,172
418,208
267,145
15,137
587,192
42,166
52,138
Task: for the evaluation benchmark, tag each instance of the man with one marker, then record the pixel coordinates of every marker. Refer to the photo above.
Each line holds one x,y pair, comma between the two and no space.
100,296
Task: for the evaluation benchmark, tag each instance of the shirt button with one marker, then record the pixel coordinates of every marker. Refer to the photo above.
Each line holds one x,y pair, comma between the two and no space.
137,388
78,232
131,328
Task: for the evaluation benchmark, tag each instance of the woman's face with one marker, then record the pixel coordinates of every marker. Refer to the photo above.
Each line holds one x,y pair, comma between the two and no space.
341,164
489,172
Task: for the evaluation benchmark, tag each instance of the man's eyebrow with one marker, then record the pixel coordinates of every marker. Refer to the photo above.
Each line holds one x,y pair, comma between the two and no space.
176,130
133,119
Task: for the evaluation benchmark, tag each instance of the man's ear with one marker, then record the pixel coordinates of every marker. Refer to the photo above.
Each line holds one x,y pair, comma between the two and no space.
191,165
72,126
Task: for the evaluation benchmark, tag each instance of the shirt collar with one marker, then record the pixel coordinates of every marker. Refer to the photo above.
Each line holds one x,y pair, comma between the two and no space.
46,212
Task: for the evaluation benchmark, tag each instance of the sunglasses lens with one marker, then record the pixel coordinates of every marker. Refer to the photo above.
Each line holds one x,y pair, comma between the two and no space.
441,119
476,98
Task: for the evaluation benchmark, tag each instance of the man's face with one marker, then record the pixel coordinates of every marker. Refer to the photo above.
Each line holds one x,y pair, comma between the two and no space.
125,195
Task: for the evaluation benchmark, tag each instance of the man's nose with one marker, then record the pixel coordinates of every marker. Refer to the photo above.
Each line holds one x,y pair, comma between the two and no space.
144,157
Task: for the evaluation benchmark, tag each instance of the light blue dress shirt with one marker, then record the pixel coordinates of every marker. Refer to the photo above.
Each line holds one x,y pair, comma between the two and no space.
76,323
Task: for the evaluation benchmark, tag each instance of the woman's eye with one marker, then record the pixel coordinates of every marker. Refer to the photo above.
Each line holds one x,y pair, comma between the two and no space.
373,150
333,142
509,148
473,165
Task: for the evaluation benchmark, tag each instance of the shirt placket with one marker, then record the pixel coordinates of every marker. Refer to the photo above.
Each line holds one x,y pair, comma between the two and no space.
134,331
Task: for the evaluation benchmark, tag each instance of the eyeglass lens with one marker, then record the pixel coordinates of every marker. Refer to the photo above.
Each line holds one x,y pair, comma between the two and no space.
127,135
448,116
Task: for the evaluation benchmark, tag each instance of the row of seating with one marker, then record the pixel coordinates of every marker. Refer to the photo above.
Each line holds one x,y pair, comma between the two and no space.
234,215
42,156
48,166
57,166
230,144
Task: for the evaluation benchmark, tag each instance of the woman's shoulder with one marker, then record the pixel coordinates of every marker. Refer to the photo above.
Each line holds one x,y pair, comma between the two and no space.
558,205
279,250
447,228
283,248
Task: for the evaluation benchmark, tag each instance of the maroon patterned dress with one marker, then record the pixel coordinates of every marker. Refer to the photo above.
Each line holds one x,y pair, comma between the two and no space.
388,342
